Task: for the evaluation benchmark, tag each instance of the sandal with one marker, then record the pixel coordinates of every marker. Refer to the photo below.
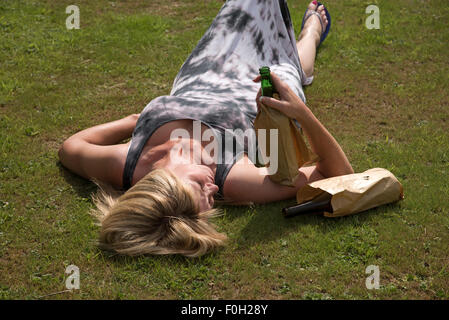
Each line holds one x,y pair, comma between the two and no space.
309,13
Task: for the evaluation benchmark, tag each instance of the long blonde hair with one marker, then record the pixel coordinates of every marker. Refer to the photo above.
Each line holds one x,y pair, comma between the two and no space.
158,215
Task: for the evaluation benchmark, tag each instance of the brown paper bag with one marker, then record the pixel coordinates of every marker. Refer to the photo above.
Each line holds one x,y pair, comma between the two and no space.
354,193
293,152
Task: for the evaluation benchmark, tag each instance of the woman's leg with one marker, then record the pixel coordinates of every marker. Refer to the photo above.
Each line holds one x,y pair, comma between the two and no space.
310,38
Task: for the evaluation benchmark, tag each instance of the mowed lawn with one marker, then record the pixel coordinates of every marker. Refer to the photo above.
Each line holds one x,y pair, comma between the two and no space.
382,93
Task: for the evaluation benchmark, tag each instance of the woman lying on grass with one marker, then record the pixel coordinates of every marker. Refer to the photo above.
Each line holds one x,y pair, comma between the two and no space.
171,182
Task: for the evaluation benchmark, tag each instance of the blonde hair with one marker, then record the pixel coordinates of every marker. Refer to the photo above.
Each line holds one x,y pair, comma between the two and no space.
158,215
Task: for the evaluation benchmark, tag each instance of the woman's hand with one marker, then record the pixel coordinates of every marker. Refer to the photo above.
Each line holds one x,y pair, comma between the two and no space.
333,161
290,104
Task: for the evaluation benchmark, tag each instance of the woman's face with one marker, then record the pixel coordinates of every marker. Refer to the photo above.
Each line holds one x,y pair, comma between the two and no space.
201,179
186,160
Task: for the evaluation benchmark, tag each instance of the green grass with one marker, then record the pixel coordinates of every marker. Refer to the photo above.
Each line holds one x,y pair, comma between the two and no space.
382,93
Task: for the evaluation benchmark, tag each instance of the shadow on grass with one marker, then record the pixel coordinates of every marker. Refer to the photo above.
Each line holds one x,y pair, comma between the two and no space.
267,224
86,189
164,263
263,224
83,187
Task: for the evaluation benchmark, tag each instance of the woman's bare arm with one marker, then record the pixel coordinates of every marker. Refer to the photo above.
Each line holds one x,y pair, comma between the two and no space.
247,183
333,161
109,133
96,152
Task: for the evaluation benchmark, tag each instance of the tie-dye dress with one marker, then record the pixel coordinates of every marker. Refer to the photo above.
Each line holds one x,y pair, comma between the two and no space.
214,85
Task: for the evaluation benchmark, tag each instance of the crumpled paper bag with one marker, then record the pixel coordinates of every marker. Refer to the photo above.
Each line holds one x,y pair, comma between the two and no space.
354,193
293,153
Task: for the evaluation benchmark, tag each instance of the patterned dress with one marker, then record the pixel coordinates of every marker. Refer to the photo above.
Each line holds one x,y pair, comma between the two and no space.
214,85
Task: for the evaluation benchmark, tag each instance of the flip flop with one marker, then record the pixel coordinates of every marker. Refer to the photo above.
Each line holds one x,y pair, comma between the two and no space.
305,17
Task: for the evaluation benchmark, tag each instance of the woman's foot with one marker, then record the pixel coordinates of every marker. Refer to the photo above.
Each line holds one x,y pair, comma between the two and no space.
310,36
313,27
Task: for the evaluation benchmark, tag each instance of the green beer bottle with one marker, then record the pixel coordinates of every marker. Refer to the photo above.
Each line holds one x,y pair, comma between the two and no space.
267,86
